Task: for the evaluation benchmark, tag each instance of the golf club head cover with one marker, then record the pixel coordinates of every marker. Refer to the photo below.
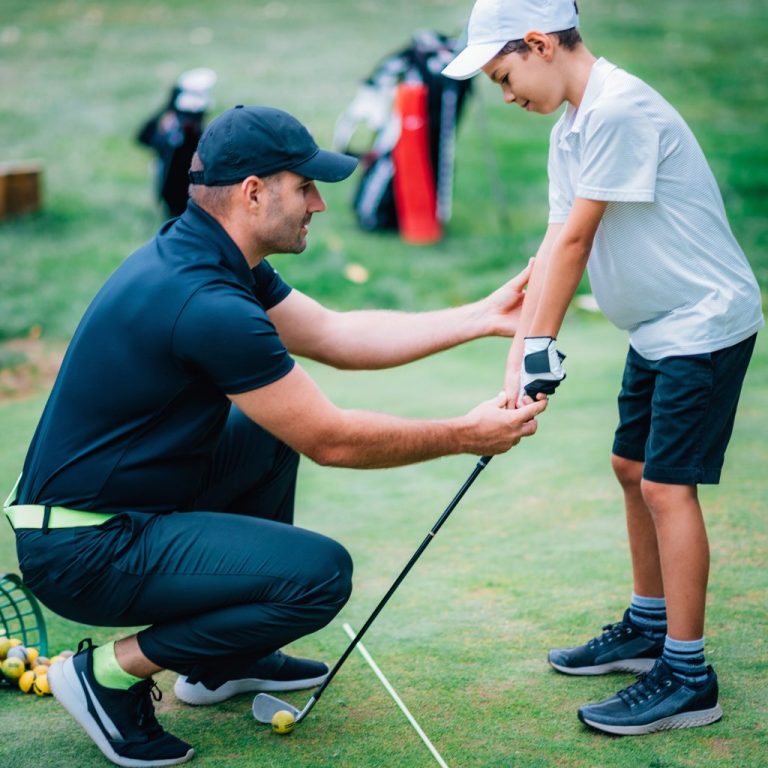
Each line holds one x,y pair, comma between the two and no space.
542,366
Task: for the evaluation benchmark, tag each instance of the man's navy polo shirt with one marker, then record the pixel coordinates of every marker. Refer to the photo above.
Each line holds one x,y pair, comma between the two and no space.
140,402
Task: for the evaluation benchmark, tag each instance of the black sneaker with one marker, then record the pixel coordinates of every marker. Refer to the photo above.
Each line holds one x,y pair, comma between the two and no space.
658,701
121,723
276,672
621,648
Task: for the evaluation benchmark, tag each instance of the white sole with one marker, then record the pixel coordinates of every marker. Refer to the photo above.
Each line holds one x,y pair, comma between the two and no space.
68,691
198,695
634,666
683,720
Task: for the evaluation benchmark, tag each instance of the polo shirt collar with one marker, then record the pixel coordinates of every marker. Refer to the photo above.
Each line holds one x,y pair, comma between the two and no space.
205,226
574,118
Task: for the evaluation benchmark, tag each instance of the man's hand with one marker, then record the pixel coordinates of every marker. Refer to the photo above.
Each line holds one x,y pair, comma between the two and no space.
493,429
501,309
542,366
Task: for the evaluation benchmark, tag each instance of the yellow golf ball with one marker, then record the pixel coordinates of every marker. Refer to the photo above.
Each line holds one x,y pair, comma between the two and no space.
40,686
27,680
13,668
283,722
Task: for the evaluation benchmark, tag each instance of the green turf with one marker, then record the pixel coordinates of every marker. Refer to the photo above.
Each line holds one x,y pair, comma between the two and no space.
83,75
534,556
536,553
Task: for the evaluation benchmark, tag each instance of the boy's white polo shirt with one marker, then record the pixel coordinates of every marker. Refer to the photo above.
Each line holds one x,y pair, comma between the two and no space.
664,264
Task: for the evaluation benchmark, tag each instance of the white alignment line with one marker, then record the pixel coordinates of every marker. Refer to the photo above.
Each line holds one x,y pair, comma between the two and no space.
393,693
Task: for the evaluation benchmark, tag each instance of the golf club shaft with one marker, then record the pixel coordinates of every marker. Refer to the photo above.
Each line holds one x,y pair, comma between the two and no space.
479,467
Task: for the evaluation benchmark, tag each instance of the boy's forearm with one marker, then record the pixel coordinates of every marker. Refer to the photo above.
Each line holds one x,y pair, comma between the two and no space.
567,261
530,305
566,268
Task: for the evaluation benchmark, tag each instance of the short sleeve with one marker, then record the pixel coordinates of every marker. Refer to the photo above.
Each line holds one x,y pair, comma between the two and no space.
560,193
620,155
224,332
269,288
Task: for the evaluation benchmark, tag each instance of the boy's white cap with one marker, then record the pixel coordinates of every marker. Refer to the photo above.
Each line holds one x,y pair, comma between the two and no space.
493,23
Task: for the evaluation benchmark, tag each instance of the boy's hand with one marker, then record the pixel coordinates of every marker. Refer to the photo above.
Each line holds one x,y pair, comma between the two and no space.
542,366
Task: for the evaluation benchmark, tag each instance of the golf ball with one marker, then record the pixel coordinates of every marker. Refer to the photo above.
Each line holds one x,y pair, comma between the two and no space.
283,721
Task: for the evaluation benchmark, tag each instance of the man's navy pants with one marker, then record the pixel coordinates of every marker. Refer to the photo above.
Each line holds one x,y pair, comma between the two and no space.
216,587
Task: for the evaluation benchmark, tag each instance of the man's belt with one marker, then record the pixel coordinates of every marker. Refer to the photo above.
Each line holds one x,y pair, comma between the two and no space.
34,516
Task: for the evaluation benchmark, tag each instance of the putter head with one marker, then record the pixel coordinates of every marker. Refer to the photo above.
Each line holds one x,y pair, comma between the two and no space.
265,706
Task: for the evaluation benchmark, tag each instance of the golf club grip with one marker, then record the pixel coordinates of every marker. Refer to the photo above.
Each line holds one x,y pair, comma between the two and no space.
479,467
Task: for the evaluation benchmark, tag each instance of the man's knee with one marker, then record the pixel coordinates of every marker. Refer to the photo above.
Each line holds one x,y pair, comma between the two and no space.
334,576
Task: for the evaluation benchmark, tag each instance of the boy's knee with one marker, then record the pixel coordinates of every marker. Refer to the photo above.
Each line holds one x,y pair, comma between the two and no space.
629,473
662,497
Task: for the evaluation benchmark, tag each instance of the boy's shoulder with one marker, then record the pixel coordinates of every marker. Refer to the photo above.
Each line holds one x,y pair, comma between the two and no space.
615,98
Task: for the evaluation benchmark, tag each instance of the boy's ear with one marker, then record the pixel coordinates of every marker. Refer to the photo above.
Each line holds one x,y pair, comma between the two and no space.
540,43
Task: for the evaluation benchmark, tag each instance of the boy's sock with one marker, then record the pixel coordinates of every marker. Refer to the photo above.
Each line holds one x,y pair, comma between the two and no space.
108,672
686,660
649,615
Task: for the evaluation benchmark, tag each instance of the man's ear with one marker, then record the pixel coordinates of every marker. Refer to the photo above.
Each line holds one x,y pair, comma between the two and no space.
540,44
252,190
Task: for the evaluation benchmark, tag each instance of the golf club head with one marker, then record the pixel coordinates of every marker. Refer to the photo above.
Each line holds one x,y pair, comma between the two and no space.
265,706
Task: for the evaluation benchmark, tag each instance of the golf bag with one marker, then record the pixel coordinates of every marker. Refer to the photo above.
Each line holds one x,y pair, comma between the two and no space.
376,106
174,132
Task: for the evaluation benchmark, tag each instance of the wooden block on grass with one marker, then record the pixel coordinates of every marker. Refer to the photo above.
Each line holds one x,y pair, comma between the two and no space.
20,187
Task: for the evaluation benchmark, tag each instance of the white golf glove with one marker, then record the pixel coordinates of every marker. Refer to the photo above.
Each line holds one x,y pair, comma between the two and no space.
542,366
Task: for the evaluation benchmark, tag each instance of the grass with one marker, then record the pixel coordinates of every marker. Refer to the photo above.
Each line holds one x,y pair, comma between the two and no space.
85,74
535,556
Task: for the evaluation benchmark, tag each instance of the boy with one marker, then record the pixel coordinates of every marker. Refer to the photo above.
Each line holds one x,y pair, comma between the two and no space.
633,200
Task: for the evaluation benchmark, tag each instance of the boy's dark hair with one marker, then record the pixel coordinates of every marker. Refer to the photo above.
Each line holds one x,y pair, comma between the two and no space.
568,38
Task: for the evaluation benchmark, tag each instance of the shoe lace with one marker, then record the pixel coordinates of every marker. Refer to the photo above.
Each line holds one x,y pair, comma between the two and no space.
146,692
647,686
84,644
611,633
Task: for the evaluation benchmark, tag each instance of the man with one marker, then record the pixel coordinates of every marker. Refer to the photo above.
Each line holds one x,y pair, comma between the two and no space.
148,499
633,200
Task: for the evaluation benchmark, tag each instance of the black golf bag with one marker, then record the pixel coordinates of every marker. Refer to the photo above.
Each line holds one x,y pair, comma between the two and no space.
421,62
173,135
174,132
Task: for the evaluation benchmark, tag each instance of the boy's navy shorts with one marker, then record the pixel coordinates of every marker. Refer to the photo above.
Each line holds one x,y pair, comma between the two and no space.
676,414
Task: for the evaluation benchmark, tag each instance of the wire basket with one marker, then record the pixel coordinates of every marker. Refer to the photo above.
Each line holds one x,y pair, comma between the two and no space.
20,614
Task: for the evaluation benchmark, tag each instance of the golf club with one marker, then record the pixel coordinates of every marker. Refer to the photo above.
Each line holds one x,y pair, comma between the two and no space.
265,706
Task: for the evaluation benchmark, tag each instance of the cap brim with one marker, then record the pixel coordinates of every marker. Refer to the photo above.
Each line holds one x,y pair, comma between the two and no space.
327,166
472,59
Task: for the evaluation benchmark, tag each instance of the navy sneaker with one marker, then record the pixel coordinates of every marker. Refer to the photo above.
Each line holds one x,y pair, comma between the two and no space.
621,648
275,672
658,701
122,723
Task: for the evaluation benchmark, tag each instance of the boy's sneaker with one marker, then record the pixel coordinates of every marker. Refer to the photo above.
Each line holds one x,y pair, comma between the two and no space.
275,672
121,722
658,701
621,648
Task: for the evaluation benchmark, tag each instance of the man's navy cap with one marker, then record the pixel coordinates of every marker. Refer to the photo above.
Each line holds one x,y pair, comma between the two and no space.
259,141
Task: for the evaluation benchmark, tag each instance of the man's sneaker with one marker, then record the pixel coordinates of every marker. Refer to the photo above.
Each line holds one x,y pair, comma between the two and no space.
276,672
622,647
122,723
658,701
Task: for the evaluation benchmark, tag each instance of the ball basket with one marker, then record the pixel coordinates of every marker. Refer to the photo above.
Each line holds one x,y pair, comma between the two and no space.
20,615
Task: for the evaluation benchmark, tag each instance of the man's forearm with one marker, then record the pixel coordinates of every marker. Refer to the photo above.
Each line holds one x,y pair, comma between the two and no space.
295,410
373,339
368,440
